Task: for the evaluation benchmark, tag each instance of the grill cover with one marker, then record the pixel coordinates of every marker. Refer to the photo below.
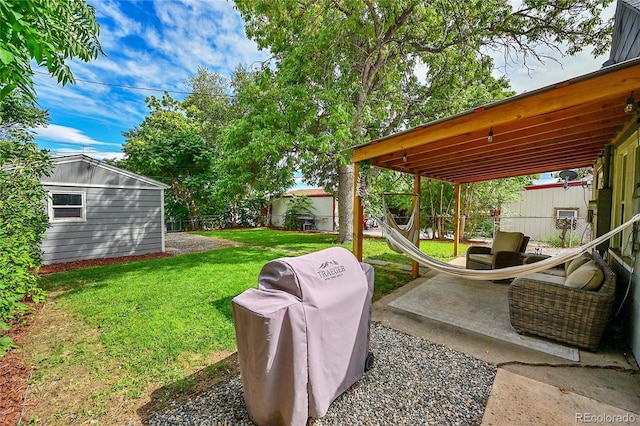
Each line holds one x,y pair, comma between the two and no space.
303,335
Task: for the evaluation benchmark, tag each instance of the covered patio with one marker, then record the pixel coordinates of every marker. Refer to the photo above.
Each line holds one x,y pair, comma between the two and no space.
562,126
571,124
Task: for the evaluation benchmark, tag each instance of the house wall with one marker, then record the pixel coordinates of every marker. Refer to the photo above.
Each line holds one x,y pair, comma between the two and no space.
323,211
626,38
625,178
119,222
534,214
123,215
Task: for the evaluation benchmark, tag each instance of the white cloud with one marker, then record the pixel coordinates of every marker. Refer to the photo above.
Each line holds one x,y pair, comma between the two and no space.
98,155
69,135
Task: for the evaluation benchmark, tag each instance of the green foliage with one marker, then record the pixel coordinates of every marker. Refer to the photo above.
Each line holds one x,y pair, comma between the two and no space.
296,207
48,32
214,157
347,72
437,200
24,222
168,146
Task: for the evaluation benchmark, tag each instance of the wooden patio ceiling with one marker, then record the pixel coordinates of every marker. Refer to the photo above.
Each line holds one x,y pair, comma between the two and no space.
561,126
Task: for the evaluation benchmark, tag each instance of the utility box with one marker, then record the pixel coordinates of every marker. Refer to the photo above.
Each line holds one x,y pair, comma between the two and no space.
303,335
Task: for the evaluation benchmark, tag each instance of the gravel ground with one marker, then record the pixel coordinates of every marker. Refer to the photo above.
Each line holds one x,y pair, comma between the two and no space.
184,242
413,382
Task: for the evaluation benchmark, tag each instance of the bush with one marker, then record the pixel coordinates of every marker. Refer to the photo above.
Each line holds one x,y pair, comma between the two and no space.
24,222
296,207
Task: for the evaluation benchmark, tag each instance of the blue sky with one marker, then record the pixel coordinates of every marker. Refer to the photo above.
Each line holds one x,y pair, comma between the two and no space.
159,45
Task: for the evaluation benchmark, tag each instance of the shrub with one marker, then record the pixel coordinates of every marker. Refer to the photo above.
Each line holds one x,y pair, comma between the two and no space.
24,222
296,207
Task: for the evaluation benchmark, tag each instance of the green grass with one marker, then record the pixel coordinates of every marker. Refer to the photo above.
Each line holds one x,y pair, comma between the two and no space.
157,321
283,240
373,248
150,313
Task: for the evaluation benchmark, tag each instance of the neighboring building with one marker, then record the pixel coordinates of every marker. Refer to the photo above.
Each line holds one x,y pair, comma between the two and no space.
322,218
542,206
97,210
626,32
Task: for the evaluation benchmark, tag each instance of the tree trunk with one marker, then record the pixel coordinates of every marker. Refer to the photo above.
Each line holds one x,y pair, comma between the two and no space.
345,203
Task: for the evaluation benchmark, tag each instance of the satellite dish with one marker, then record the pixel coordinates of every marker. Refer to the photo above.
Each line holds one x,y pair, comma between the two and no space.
568,175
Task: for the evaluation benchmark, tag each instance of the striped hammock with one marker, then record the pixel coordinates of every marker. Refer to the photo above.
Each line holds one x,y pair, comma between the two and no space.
396,238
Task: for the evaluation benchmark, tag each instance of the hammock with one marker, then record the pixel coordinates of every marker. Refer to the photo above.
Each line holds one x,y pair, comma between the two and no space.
495,274
410,231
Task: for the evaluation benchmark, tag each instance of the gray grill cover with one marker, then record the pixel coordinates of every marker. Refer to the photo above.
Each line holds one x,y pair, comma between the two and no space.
303,335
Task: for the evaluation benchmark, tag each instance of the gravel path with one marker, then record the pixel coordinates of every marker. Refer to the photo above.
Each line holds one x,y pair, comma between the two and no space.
184,242
413,382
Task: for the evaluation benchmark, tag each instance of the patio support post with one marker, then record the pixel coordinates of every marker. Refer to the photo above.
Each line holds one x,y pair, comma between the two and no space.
415,266
456,222
358,215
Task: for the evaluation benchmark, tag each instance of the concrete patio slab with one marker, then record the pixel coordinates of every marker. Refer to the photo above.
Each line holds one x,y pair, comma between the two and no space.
532,386
518,400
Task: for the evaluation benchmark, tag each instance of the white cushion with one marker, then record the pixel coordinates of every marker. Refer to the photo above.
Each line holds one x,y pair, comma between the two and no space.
587,277
574,264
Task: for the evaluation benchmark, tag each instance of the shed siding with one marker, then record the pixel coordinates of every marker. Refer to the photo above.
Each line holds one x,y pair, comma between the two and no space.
323,211
119,221
537,209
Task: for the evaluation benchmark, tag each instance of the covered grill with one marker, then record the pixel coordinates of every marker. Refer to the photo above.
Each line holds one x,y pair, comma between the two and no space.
303,335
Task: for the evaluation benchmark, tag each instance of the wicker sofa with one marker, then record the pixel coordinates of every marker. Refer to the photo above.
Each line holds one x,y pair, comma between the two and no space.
542,304
507,250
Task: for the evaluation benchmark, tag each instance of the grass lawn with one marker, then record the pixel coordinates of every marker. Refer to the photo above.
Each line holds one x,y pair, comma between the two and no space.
114,338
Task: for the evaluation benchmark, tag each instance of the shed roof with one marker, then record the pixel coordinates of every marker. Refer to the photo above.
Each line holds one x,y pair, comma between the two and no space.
110,176
309,192
564,125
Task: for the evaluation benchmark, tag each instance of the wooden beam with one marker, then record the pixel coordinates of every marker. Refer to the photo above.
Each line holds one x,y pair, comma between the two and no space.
415,266
491,175
601,86
537,154
557,145
456,221
534,128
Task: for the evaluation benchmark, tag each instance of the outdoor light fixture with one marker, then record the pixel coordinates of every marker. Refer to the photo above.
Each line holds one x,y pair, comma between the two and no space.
404,157
490,136
628,108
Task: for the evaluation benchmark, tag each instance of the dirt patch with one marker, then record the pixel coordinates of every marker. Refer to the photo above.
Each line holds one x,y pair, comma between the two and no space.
14,371
64,389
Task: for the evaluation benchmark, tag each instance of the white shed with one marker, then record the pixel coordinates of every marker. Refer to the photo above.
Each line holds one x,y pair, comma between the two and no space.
97,210
322,218
537,214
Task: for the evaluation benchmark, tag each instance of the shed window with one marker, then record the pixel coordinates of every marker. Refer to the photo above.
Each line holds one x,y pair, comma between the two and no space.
68,206
566,218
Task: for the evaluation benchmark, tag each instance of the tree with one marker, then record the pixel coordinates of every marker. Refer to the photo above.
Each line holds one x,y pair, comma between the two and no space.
23,217
49,32
356,60
168,146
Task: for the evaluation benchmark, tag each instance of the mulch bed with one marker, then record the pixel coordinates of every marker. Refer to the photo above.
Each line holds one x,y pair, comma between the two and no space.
80,264
14,373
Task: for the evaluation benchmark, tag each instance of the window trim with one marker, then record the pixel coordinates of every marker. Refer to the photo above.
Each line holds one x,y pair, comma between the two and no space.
83,207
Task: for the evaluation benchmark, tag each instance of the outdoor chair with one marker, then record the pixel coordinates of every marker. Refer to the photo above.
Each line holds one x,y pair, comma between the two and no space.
507,250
